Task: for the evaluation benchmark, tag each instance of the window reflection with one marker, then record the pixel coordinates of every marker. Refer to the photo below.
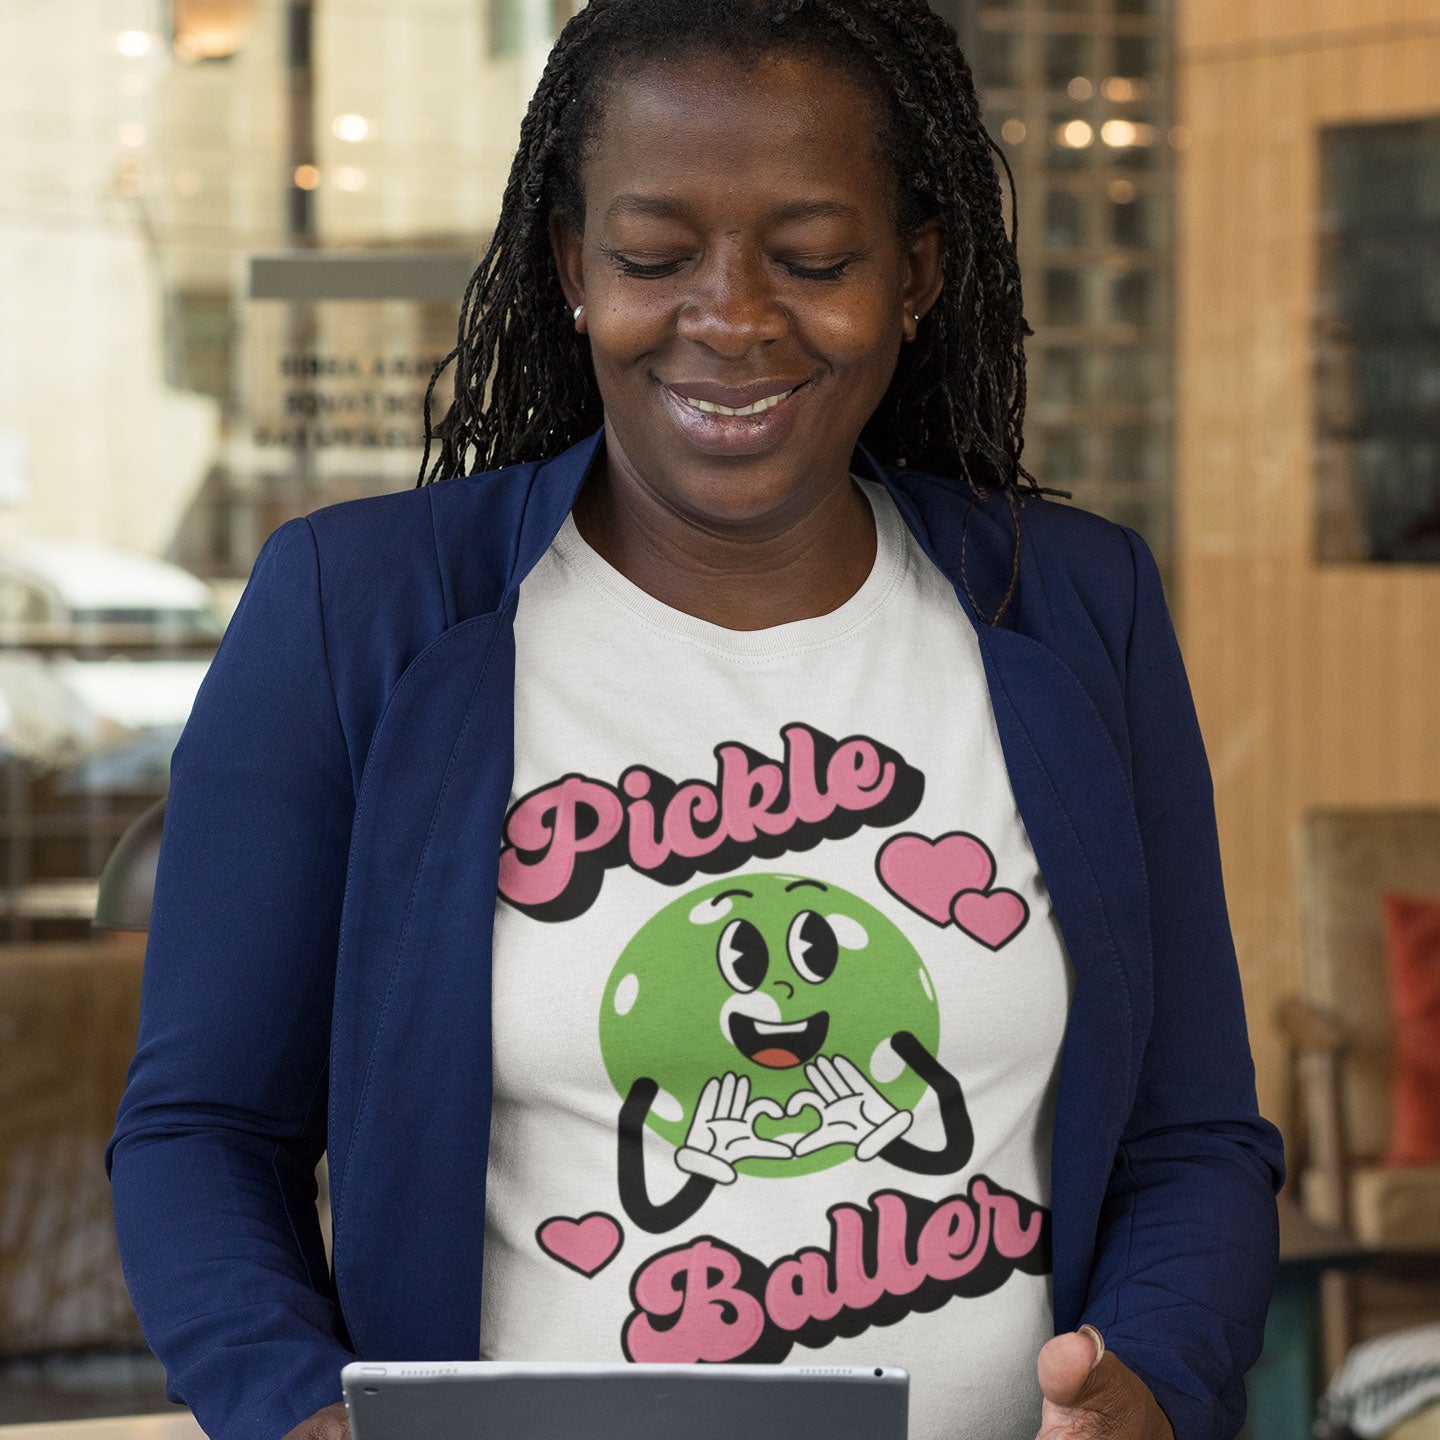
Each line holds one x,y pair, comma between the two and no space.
1065,212
1135,298
1000,58
1065,375
1064,297
1066,56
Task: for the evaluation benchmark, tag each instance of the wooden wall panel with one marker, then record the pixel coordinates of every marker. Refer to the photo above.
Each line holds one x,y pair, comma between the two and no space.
1315,685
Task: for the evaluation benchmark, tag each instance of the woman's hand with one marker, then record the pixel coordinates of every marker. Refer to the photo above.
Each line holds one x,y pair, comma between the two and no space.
1085,1400
331,1423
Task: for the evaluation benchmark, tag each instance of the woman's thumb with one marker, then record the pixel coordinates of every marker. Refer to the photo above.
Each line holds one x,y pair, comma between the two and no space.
1067,1368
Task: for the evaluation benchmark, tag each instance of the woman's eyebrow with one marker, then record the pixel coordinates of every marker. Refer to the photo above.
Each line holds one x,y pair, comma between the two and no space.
670,207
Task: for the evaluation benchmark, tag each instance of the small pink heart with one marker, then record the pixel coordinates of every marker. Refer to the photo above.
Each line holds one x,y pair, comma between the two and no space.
927,874
992,917
586,1245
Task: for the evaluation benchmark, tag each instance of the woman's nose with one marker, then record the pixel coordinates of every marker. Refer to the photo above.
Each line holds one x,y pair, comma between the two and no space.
733,306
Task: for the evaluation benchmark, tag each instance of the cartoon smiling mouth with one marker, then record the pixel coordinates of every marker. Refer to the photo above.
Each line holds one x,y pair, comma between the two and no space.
779,1046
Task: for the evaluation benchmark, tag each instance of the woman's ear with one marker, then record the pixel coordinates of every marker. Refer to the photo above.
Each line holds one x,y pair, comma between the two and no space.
567,247
924,268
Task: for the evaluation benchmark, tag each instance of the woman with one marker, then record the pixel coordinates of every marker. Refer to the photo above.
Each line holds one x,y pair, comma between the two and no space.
629,866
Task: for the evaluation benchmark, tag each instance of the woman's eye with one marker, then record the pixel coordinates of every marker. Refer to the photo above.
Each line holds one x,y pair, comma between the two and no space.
743,955
828,272
643,270
657,270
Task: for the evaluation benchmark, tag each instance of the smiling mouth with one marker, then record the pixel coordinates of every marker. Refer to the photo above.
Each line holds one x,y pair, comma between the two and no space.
705,407
778,1047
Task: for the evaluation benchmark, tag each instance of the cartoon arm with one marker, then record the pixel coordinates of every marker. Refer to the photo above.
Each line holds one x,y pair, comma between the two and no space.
633,1194
959,1135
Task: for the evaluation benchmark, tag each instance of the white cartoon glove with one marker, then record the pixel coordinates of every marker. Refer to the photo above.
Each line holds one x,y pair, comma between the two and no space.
723,1130
852,1111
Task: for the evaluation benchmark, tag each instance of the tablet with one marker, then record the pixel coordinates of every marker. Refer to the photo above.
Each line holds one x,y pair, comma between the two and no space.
556,1400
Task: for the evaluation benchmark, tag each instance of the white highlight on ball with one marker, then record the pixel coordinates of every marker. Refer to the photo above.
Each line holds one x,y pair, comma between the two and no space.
626,992
925,984
708,911
885,1064
667,1107
755,1004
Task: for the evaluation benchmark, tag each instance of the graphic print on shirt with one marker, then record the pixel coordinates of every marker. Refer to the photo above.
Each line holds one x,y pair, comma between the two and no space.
772,1025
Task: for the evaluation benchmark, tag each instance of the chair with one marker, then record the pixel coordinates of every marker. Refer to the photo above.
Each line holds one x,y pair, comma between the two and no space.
1340,1034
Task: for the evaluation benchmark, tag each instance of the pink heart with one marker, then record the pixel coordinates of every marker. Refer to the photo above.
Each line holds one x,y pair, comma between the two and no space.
586,1245
927,874
992,917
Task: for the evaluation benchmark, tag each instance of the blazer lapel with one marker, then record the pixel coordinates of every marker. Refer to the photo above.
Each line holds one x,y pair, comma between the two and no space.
1073,794
411,1067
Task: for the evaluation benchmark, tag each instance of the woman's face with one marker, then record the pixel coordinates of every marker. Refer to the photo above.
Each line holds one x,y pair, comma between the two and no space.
740,247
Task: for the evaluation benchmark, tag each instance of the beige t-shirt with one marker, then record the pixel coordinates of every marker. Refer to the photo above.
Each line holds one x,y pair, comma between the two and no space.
778,996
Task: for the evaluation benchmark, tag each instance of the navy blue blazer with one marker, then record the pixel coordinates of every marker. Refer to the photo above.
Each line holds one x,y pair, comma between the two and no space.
317,976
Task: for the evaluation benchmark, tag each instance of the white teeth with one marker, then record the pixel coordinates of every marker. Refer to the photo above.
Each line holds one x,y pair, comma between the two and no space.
758,408
764,1027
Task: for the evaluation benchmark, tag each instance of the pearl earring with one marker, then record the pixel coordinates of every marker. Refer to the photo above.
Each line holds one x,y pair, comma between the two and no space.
579,311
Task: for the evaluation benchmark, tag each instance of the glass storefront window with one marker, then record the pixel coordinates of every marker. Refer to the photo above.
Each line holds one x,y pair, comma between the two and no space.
162,152
181,147
1377,344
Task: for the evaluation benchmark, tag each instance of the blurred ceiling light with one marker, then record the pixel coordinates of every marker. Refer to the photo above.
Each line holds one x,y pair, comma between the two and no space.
1013,131
132,133
1075,134
350,127
1080,88
306,177
1123,133
211,29
134,43
1122,192
350,177
1117,87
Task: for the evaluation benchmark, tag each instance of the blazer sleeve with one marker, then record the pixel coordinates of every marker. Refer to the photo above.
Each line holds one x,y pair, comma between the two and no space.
222,1121
1187,1252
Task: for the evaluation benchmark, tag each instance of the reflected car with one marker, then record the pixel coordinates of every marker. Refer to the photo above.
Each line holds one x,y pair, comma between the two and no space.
81,595
102,650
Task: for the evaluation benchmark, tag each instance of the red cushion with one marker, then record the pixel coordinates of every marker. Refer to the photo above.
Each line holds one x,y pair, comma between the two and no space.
1412,946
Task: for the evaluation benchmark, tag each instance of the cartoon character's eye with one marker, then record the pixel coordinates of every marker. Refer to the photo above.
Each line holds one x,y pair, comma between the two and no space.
742,954
812,946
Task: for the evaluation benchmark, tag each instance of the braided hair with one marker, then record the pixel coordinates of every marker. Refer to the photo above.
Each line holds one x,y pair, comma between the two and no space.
524,386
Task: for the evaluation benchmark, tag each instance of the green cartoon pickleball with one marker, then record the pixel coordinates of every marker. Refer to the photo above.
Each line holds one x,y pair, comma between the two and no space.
771,1025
